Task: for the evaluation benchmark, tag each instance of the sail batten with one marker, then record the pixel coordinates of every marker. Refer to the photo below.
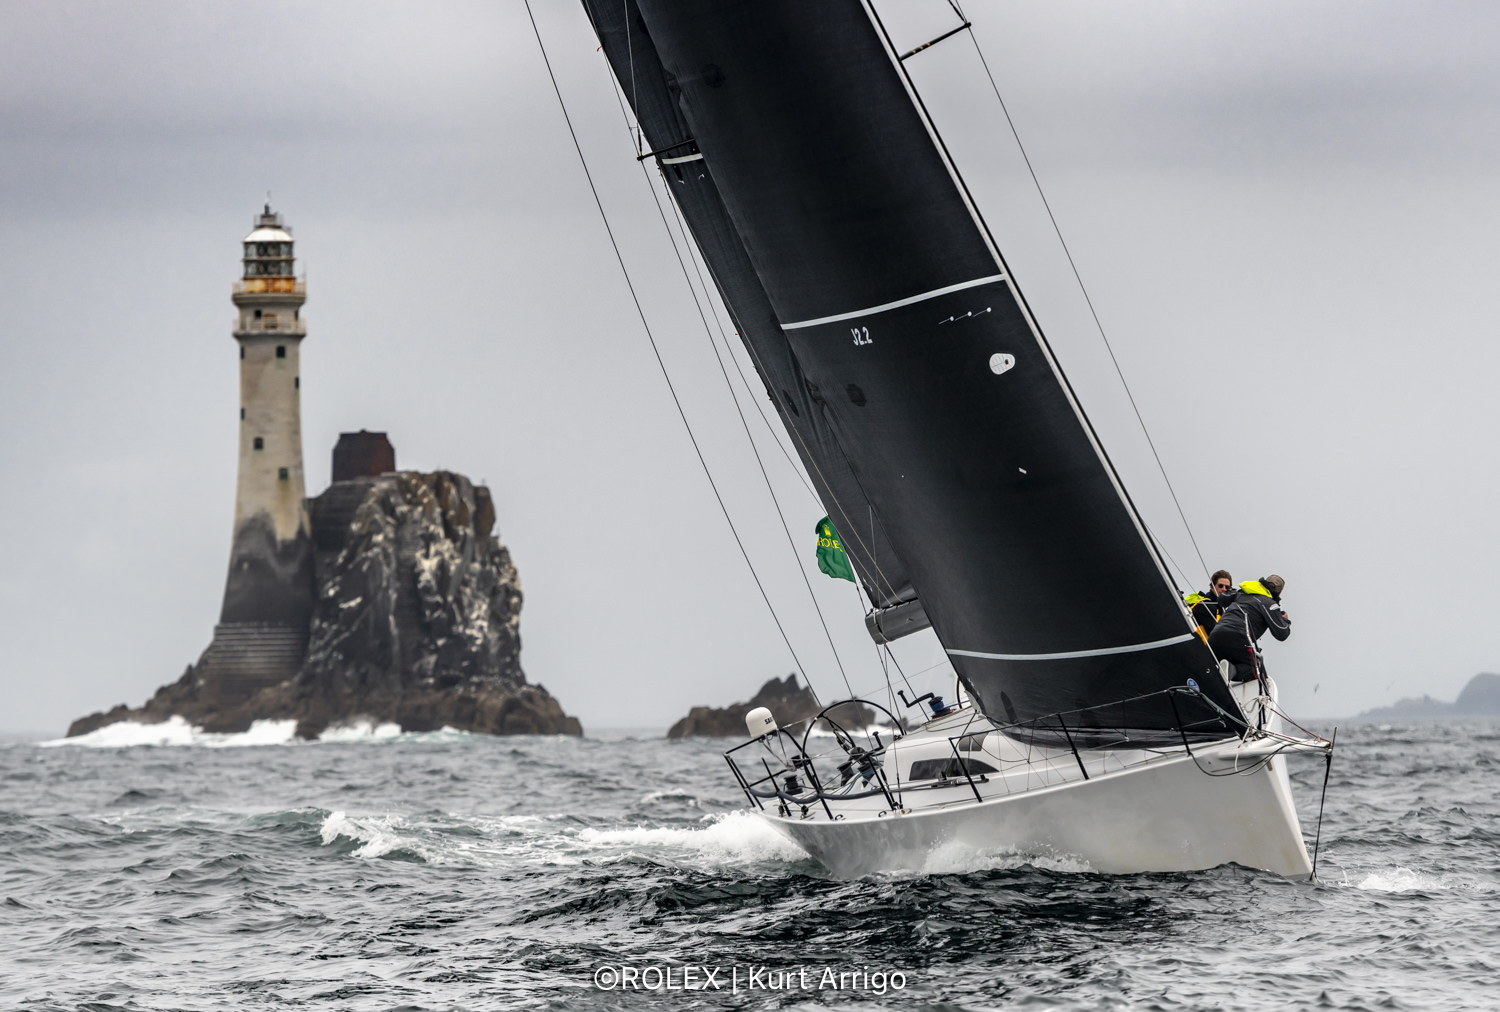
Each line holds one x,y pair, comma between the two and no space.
1133,648
897,304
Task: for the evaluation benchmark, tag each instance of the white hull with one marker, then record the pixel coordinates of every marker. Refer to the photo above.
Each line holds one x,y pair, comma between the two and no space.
1137,810
1168,816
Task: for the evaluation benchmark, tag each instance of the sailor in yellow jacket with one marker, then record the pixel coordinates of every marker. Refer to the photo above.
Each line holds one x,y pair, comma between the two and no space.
1249,611
1206,608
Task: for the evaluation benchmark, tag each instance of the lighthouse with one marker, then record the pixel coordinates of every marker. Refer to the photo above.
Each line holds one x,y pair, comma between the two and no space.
262,633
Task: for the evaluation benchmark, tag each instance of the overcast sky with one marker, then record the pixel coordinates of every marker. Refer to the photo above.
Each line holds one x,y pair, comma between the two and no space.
1285,213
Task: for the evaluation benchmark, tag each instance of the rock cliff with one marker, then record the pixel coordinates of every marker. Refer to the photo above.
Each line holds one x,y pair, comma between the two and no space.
416,620
787,701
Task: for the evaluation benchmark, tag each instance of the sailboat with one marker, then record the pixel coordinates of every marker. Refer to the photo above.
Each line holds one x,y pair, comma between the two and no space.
968,486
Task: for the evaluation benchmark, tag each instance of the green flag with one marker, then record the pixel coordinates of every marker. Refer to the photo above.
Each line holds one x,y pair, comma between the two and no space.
831,557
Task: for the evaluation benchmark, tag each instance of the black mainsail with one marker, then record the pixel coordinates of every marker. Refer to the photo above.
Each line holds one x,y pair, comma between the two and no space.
904,361
655,102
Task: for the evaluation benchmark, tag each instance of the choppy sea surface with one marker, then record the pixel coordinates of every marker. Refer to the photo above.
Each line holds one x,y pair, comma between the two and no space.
159,868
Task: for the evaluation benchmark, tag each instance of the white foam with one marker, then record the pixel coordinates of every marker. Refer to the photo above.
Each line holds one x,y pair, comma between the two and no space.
262,732
377,836
691,800
361,730
1402,880
821,731
126,733
736,838
953,858
177,731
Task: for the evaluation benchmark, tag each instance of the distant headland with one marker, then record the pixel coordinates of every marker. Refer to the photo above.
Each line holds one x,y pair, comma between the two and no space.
1480,698
387,597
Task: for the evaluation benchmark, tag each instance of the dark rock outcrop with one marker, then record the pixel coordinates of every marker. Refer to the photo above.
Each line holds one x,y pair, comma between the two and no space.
787,701
416,621
1480,698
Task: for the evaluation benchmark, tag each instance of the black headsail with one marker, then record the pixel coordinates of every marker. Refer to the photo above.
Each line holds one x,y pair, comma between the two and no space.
653,97
952,414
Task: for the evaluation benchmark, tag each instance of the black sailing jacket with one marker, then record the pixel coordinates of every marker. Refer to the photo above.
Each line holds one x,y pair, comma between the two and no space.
1246,616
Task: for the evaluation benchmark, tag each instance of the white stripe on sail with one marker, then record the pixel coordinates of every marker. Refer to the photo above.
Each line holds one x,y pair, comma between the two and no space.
894,305
1133,648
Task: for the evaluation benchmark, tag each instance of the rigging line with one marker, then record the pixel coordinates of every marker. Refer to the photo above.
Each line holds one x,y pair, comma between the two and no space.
619,101
885,666
946,663
694,255
1175,565
729,386
1311,734
630,58
883,647
885,669
760,410
902,672
634,132
811,459
890,590
619,257
1318,837
881,578
1089,300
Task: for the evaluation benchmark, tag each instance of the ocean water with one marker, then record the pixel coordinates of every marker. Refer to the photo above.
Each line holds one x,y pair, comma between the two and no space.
160,868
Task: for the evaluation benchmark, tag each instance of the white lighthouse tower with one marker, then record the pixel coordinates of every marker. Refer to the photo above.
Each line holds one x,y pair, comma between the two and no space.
270,330
262,633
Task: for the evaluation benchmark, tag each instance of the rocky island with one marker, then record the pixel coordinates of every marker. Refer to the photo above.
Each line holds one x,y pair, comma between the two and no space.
387,598
1480,698
416,609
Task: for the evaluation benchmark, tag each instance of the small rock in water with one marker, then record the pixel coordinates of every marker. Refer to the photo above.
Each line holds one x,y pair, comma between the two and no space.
787,701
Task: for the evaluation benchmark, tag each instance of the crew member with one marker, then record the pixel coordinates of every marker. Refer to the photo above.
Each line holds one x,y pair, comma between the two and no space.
1206,607
1247,612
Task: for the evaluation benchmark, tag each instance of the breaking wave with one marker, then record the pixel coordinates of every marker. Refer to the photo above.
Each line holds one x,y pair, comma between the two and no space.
176,731
363,730
376,837
735,838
